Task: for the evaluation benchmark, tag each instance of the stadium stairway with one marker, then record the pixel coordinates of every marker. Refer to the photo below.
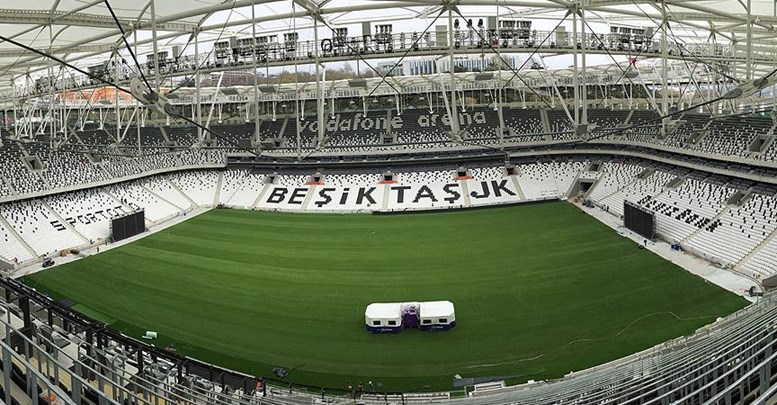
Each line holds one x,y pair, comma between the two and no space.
756,250
65,223
17,394
310,195
217,194
118,201
12,232
627,121
175,187
157,195
702,229
247,187
465,193
7,184
593,187
260,196
518,189
199,187
617,190
545,121
574,186
385,202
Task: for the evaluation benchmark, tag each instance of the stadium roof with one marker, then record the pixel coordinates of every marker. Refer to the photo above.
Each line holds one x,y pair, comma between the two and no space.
83,31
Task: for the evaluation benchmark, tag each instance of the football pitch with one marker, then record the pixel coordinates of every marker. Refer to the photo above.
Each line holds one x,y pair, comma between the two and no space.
540,290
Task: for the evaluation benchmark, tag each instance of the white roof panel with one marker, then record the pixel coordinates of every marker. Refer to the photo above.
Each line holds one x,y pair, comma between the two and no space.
436,309
84,28
383,311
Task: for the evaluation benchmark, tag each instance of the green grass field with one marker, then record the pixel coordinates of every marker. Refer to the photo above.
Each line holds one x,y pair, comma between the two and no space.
539,290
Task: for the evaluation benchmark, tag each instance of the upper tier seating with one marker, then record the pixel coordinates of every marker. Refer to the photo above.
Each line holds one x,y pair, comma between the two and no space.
649,130
690,125
770,154
524,124
605,118
182,135
560,125
734,135
417,134
481,124
236,138
15,171
65,168
349,130
415,130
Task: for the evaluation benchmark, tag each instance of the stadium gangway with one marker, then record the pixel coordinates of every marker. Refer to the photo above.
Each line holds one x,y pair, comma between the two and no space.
720,334
106,378
101,384
767,397
609,382
34,378
761,369
150,391
687,356
166,392
38,358
708,351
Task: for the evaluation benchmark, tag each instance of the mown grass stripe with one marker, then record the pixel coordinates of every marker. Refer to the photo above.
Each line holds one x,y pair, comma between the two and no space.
255,290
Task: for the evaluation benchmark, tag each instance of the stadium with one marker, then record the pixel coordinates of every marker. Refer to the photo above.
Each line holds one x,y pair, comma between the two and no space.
388,202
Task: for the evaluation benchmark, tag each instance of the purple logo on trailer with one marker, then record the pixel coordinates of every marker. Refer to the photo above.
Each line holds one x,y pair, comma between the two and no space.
410,318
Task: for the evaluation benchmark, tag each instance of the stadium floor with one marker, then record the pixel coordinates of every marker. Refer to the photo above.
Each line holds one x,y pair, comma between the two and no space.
540,290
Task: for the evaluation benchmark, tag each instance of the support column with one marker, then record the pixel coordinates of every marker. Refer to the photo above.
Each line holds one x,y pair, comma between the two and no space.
197,91
51,90
498,98
138,111
575,78
154,42
583,42
454,114
117,60
500,114
256,140
319,87
749,60
664,61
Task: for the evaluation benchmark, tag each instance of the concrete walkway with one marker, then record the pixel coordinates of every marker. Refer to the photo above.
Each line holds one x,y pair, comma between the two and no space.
726,279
